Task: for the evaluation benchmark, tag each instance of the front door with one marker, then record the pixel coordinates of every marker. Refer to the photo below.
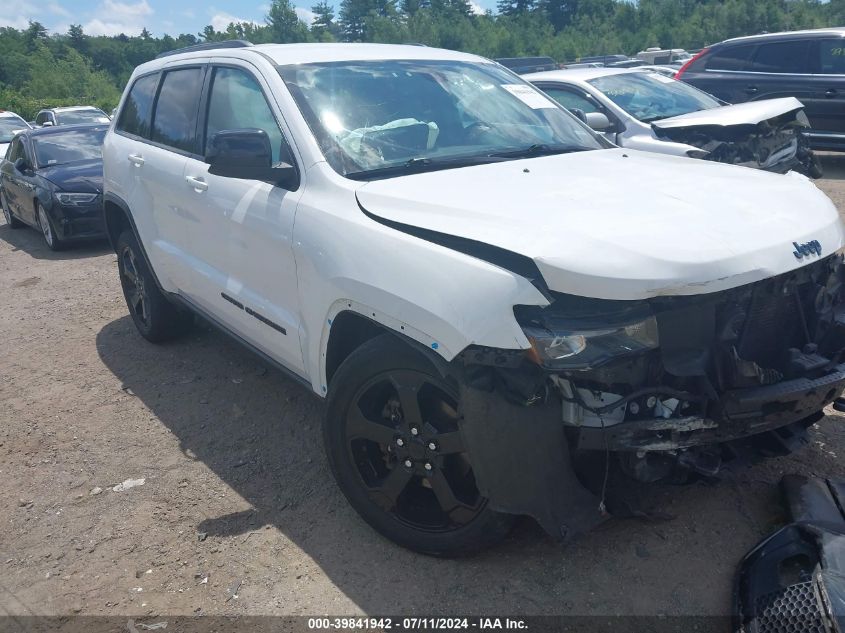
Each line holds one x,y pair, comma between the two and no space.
244,228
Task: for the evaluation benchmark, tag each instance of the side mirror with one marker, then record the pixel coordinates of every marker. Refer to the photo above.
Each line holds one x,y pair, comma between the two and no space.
598,121
579,113
21,165
246,154
47,124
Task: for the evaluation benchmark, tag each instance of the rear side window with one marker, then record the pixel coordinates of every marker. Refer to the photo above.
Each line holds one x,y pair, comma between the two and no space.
731,58
781,57
136,112
832,57
175,117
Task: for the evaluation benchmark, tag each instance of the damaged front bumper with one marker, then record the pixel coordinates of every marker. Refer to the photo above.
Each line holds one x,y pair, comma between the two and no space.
719,369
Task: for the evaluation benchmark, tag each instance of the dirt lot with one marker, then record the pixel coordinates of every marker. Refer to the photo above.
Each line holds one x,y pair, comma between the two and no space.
237,497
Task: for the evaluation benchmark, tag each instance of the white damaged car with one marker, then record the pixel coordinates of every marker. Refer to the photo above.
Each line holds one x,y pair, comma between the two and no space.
488,294
640,109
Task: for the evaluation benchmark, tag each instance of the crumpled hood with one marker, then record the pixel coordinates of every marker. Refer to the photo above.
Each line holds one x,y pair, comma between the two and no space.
750,113
621,224
82,177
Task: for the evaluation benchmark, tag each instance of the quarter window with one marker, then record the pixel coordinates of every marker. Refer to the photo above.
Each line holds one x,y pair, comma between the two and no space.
175,117
237,102
832,57
781,57
137,111
730,58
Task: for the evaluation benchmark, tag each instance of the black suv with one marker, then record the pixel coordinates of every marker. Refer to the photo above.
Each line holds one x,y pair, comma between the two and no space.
808,65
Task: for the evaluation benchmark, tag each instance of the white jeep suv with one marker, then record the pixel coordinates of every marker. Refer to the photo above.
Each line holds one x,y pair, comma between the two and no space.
489,295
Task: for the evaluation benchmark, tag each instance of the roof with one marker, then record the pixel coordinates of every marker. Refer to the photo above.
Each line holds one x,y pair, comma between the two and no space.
61,129
283,54
831,32
5,114
575,75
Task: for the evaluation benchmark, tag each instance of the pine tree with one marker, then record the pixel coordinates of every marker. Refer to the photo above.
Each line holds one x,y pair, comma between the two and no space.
285,26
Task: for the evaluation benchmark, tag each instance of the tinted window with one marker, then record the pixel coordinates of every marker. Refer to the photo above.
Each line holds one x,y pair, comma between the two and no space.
69,147
137,111
730,58
175,118
237,102
42,116
781,57
570,100
15,150
832,57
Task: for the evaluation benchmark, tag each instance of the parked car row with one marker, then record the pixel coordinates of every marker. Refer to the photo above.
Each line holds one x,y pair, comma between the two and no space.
493,298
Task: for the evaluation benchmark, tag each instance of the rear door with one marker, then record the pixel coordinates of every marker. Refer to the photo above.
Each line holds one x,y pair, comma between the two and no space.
780,69
722,72
245,273
173,210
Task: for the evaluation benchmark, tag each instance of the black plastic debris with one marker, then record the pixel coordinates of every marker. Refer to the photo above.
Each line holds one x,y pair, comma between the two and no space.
794,581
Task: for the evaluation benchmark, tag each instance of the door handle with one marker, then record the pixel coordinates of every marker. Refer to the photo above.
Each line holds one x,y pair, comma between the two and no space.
136,160
198,184
831,93
752,90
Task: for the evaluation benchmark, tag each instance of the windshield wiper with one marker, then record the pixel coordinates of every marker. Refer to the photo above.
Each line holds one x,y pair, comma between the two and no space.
420,164
540,149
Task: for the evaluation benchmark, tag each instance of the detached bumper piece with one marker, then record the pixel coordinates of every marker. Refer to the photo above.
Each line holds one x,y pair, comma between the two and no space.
795,579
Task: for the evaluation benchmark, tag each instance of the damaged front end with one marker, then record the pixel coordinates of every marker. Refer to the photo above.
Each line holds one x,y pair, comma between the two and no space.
667,381
778,144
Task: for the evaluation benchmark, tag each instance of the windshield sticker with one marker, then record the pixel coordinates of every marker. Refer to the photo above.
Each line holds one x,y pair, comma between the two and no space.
529,96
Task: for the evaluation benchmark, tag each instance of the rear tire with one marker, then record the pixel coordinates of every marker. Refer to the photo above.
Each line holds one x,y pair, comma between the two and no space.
11,220
393,445
156,318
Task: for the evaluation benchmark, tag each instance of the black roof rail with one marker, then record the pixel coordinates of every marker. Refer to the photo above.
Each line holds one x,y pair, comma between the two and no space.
206,46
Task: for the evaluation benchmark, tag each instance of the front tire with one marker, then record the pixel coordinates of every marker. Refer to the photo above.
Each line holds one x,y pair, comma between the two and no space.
394,447
11,220
48,232
156,318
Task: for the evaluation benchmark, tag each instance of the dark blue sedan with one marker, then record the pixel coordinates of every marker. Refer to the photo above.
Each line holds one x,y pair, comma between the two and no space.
52,180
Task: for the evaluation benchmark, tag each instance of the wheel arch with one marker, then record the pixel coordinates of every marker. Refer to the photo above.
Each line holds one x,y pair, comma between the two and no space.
117,218
351,324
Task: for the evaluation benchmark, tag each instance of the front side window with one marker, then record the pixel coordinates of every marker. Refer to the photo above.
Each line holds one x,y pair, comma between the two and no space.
649,97
781,57
81,117
569,99
736,58
15,150
832,57
237,102
9,125
69,147
380,118
175,116
41,118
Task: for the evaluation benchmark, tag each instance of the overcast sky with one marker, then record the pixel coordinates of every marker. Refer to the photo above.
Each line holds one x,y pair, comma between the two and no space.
110,17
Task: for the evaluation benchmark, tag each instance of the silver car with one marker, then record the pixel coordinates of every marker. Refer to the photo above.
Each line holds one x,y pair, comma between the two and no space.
648,111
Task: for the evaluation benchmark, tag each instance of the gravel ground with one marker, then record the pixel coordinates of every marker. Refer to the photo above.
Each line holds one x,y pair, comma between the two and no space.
237,499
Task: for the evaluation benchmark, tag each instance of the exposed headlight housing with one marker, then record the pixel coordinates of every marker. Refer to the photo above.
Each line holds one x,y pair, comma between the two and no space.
76,199
579,333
